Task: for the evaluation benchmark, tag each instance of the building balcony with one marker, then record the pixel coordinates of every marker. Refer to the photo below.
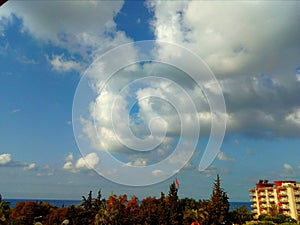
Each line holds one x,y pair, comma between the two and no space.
271,200
284,200
283,193
263,211
297,200
281,187
253,199
261,193
284,207
297,193
262,200
252,190
254,206
263,206
287,213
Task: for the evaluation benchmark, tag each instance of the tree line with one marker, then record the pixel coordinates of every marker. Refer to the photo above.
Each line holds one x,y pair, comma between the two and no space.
121,210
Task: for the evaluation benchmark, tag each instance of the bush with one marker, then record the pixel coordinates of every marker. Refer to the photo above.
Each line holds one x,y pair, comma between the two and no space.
279,219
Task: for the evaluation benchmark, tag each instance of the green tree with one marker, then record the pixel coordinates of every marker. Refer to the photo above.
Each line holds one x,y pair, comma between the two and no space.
149,211
107,215
175,216
219,205
4,212
163,210
25,213
131,211
195,215
57,215
240,215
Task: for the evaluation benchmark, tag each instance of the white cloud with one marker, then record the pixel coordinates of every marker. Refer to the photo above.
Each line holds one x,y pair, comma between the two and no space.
86,162
45,171
60,64
69,157
157,172
89,161
288,171
68,166
5,159
229,44
138,162
294,117
48,20
30,166
84,29
287,167
252,60
210,171
223,157
15,111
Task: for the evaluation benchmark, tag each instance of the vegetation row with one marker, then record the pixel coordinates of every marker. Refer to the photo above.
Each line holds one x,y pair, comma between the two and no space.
120,210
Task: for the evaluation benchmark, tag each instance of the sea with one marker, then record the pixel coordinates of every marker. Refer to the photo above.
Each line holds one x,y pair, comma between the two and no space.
58,203
66,203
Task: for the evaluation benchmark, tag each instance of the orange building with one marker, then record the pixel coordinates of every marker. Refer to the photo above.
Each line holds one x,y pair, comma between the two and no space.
283,196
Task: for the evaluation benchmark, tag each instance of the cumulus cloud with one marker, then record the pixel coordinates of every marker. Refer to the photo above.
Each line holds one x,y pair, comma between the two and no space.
289,170
69,157
30,166
148,115
60,64
45,171
80,28
157,172
253,61
68,166
287,167
138,162
86,162
5,159
229,44
48,20
223,157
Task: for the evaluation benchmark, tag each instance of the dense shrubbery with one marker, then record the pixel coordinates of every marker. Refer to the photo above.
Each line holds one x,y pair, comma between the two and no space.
276,219
119,210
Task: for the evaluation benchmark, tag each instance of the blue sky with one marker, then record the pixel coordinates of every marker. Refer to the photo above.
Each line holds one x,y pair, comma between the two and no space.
45,49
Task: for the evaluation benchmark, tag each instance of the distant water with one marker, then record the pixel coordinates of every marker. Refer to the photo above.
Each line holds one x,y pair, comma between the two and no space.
58,203
234,205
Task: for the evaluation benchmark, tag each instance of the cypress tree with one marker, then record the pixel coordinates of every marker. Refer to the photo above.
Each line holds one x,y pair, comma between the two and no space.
173,205
219,205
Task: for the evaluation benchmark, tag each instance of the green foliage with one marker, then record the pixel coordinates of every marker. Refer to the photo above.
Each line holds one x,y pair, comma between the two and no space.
173,205
4,212
289,223
240,215
219,205
119,210
27,212
195,215
278,219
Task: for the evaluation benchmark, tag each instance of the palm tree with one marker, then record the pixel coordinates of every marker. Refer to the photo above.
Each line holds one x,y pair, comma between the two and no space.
197,215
